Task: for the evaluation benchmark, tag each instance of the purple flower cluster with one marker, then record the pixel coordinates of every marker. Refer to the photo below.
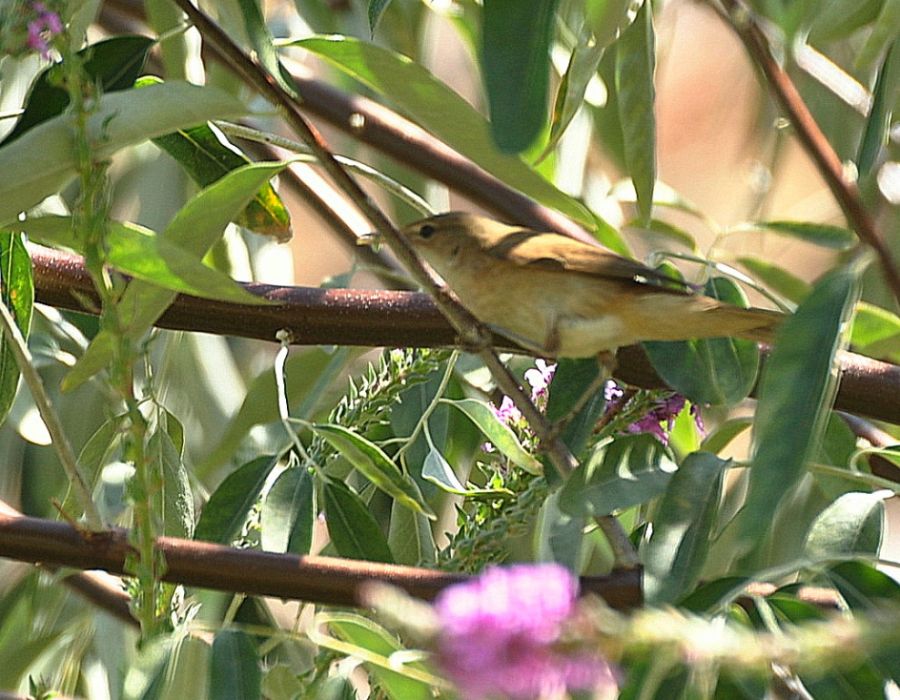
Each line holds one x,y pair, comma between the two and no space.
660,419
45,24
499,635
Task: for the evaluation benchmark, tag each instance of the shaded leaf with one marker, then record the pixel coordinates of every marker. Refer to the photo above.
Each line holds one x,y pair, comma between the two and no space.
853,524
876,331
676,551
878,123
226,511
635,64
288,514
234,671
795,394
177,499
777,278
720,438
376,9
628,471
833,237
353,530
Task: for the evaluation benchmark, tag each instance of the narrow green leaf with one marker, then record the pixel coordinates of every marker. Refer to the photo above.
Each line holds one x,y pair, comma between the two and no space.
17,294
177,675
428,101
515,59
121,119
838,20
570,94
438,471
560,536
666,230
376,9
863,586
113,64
833,237
635,64
370,636
410,537
195,228
878,123
289,513
777,278
607,18
140,253
498,433
371,461
628,471
713,596
570,380
853,524
177,499
676,551
795,394
353,530
226,511
234,671
713,371
885,30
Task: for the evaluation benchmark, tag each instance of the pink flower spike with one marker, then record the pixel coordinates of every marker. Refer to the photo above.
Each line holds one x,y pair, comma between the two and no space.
36,40
52,22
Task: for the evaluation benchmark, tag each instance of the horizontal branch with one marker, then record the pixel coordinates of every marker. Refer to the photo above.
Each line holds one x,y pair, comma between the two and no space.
324,580
376,318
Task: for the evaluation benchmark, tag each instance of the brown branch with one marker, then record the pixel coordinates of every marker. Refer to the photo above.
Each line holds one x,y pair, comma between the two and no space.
325,580
845,191
396,319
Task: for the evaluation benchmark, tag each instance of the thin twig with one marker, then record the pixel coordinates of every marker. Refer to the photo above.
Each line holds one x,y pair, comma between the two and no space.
51,419
844,190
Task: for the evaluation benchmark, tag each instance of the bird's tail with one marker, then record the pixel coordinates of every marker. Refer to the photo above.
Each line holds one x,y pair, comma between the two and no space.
754,324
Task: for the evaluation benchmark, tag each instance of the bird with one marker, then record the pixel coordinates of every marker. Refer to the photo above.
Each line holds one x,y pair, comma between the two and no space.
560,297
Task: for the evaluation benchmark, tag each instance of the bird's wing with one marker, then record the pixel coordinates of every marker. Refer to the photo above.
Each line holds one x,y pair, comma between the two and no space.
552,251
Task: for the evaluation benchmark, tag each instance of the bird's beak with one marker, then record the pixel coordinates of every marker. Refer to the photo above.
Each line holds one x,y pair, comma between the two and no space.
369,239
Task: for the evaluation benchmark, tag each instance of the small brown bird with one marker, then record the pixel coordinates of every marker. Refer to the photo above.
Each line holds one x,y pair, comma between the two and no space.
564,298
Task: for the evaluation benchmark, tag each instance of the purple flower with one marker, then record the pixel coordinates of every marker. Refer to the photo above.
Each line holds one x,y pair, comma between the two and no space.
507,412
498,633
46,24
663,414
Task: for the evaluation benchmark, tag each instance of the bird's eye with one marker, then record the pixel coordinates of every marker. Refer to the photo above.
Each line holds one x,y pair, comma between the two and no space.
426,231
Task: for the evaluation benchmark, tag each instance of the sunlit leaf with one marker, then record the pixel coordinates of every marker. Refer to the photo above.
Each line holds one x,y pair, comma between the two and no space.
17,294
234,671
288,514
853,524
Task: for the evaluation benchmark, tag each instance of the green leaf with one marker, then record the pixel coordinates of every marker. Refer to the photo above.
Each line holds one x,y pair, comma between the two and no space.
234,671
177,499
177,675
713,371
635,64
289,512
777,278
713,596
195,228
120,119
607,18
428,101
876,331
570,94
353,530
515,60
668,231
113,64
226,511
833,237
853,524
497,432
370,636
438,471
795,394
570,380
838,20
863,586
676,551
207,155
376,9
371,461
628,471
878,123
17,294
410,537
142,254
